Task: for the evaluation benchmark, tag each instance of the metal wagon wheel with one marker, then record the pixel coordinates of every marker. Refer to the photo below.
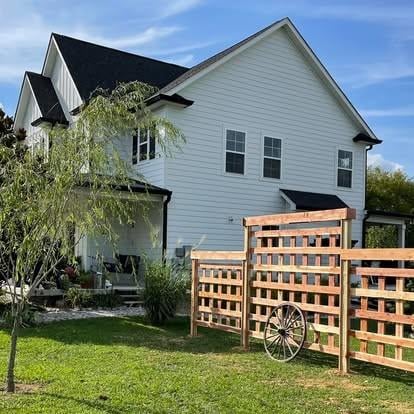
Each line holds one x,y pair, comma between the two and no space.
285,332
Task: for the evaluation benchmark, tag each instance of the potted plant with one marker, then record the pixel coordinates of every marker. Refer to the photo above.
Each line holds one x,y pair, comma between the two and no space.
86,280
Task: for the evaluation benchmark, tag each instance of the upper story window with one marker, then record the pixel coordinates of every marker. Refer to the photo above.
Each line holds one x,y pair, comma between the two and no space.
235,151
344,178
272,157
143,145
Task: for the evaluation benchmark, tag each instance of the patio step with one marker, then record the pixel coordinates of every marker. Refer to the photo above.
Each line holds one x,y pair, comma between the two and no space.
130,296
132,303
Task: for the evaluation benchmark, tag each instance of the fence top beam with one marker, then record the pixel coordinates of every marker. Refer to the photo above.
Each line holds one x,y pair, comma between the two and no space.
218,255
377,254
301,217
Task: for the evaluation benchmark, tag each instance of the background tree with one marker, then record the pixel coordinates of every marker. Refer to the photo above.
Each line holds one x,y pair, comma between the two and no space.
44,194
9,137
390,191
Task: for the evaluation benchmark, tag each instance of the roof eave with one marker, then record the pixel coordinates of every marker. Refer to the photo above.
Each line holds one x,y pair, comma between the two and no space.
49,121
366,139
154,101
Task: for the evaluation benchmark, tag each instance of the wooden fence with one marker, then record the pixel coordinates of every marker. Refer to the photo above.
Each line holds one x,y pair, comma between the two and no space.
306,258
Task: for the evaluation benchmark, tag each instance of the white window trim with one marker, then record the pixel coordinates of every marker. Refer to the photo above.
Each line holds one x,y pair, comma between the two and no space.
225,129
282,163
337,168
139,161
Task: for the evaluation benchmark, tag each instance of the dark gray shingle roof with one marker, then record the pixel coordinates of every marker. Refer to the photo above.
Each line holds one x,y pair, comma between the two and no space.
313,201
46,98
93,66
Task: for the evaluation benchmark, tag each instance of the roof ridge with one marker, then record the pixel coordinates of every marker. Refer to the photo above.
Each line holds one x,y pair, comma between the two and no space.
54,34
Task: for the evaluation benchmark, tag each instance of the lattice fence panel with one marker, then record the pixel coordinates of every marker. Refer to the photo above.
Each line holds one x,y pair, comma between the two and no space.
219,293
299,265
383,323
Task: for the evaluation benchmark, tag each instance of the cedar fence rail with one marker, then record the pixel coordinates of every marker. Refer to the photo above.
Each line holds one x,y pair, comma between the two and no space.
306,258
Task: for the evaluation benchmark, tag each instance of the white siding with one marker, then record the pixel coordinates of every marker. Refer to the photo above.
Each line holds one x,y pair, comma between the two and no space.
268,89
34,135
64,87
32,113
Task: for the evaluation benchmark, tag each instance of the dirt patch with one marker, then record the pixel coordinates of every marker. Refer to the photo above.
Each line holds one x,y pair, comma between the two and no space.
399,407
24,388
333,379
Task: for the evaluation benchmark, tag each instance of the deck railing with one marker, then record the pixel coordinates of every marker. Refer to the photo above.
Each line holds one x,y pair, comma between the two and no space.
306,258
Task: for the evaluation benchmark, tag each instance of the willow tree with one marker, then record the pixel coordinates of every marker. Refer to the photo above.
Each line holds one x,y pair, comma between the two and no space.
72,183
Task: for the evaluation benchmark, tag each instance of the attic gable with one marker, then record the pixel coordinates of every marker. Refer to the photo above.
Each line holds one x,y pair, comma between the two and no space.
219,59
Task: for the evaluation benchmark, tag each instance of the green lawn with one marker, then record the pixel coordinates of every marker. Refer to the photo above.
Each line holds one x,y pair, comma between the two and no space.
125,366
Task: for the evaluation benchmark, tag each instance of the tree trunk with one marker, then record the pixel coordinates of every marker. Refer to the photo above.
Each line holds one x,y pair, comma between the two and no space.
11,386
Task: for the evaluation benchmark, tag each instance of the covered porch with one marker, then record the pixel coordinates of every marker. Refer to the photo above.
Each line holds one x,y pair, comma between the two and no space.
120,267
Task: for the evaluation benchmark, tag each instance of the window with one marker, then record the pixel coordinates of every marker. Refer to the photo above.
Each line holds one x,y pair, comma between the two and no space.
235,151
344,169
143,145
272,152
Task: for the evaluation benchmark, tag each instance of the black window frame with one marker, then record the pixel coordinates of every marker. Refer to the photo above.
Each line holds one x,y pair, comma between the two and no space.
344,171
234,155
272,157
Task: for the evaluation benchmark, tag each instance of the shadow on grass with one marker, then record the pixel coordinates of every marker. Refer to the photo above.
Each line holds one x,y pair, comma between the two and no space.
136,332
318,359
102,406
174,337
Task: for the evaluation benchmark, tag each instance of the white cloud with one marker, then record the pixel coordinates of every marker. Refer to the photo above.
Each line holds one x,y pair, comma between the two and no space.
178,6
23,47
361,75
150,35
185,60
377,160
407,111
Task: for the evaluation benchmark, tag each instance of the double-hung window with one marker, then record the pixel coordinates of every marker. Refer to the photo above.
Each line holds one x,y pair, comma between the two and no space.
143,145
272,157
344,176
235,151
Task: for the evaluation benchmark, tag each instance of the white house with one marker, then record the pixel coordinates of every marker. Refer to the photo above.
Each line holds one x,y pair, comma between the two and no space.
268,130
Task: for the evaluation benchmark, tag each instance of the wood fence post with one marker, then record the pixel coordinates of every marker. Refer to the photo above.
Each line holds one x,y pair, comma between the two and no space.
194,297
246,290
344,300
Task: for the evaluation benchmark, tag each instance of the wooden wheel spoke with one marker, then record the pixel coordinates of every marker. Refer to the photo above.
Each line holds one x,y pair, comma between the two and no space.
290,349
285,332
274,341
277,346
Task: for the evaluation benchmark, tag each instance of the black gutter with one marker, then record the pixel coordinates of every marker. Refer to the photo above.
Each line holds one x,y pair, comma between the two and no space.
165,225
177,99
42,120
365,138
369,148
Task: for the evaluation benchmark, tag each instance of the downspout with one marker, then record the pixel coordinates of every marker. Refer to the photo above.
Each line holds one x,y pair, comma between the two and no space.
366,217
165,225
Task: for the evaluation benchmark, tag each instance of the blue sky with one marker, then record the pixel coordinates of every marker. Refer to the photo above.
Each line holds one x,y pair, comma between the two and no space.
368,46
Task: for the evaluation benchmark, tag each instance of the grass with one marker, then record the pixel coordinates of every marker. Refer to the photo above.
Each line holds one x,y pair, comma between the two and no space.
122,365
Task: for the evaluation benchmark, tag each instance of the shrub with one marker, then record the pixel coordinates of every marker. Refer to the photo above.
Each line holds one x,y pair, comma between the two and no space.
78,298
27,316
165,287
